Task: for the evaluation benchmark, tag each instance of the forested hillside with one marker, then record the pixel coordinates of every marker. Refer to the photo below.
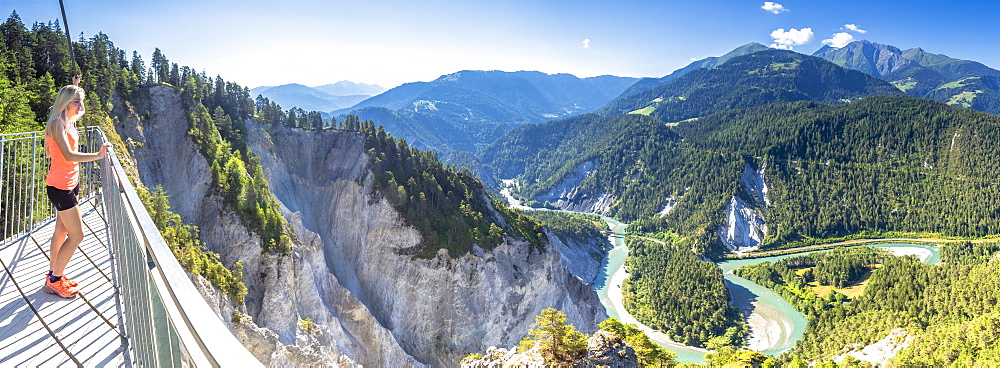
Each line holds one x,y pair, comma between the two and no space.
751,80
876,166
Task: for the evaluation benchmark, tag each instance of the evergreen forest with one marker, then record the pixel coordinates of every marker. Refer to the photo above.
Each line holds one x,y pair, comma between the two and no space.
672,291
949,310
881,166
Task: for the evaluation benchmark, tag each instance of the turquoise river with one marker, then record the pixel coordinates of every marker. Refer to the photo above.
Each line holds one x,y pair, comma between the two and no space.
785,324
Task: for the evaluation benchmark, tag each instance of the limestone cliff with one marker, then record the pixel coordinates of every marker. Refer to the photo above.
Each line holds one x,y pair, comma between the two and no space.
744,227
439,309
567,195
282,290
368,305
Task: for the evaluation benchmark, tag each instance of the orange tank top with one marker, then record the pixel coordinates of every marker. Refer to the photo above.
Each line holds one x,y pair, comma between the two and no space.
63,174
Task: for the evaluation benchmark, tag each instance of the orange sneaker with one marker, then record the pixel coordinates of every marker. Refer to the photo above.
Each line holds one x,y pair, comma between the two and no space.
64,277
61,287
70,282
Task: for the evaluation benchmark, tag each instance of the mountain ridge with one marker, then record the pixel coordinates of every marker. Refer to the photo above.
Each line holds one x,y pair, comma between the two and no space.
923,74
751,80
646,84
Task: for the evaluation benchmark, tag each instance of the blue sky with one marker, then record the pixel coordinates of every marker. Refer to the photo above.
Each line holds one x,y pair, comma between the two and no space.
316,42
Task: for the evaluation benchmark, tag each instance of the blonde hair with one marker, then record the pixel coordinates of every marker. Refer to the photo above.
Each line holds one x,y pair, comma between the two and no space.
58,110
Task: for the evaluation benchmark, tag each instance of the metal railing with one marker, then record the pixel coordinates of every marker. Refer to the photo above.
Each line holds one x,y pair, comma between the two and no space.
165,320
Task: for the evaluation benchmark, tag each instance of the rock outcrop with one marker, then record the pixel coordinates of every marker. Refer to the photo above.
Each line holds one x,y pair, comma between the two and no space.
604,349
880,353
582,258
567,195
744,226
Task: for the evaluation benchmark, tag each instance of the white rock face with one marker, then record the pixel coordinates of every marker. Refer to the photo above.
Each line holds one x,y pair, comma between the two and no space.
744,226
583,260
282,290
567,195
754,185
438,310
668,206
880,353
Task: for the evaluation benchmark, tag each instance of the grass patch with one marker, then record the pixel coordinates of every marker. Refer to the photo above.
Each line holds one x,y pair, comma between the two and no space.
644,111
852,291
959,83
964,99
784,66
905,84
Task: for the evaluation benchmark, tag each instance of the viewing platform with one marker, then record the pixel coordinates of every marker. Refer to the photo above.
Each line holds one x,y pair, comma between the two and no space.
40,329
136,306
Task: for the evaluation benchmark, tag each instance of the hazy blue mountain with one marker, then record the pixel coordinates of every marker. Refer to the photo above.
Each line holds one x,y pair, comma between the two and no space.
750,80
923,74
469,109
311,98
348,88
646,84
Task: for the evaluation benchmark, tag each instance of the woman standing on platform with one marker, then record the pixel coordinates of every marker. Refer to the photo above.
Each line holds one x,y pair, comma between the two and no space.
63,184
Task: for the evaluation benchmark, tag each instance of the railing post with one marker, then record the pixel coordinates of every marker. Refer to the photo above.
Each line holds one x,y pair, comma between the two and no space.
3,179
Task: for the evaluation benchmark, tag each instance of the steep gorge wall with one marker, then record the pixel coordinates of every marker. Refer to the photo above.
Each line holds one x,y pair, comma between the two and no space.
438,309
282,290
567,195
369,305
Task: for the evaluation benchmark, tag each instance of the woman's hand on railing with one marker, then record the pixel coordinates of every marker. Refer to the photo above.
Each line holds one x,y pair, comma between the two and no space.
103,152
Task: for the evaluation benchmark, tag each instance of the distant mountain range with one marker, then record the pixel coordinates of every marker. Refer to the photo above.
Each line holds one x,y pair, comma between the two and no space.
325,98
754,79
922,74
466,110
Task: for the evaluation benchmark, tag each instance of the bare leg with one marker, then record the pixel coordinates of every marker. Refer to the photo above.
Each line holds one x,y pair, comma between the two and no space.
58,238
67,236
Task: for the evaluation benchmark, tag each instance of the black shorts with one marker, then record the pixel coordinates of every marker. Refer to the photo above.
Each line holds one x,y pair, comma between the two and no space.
63,199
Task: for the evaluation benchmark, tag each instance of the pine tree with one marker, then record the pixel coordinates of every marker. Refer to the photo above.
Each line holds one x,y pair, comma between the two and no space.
559,343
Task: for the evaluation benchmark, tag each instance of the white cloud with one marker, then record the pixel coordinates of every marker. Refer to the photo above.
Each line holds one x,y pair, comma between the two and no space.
839,40
790,38
586,43
773,7
855,28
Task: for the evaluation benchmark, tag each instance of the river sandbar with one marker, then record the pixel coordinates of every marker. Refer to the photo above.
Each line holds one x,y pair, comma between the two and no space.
922,254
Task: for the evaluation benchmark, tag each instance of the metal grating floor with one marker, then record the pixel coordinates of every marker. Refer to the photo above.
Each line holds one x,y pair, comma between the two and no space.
86,325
